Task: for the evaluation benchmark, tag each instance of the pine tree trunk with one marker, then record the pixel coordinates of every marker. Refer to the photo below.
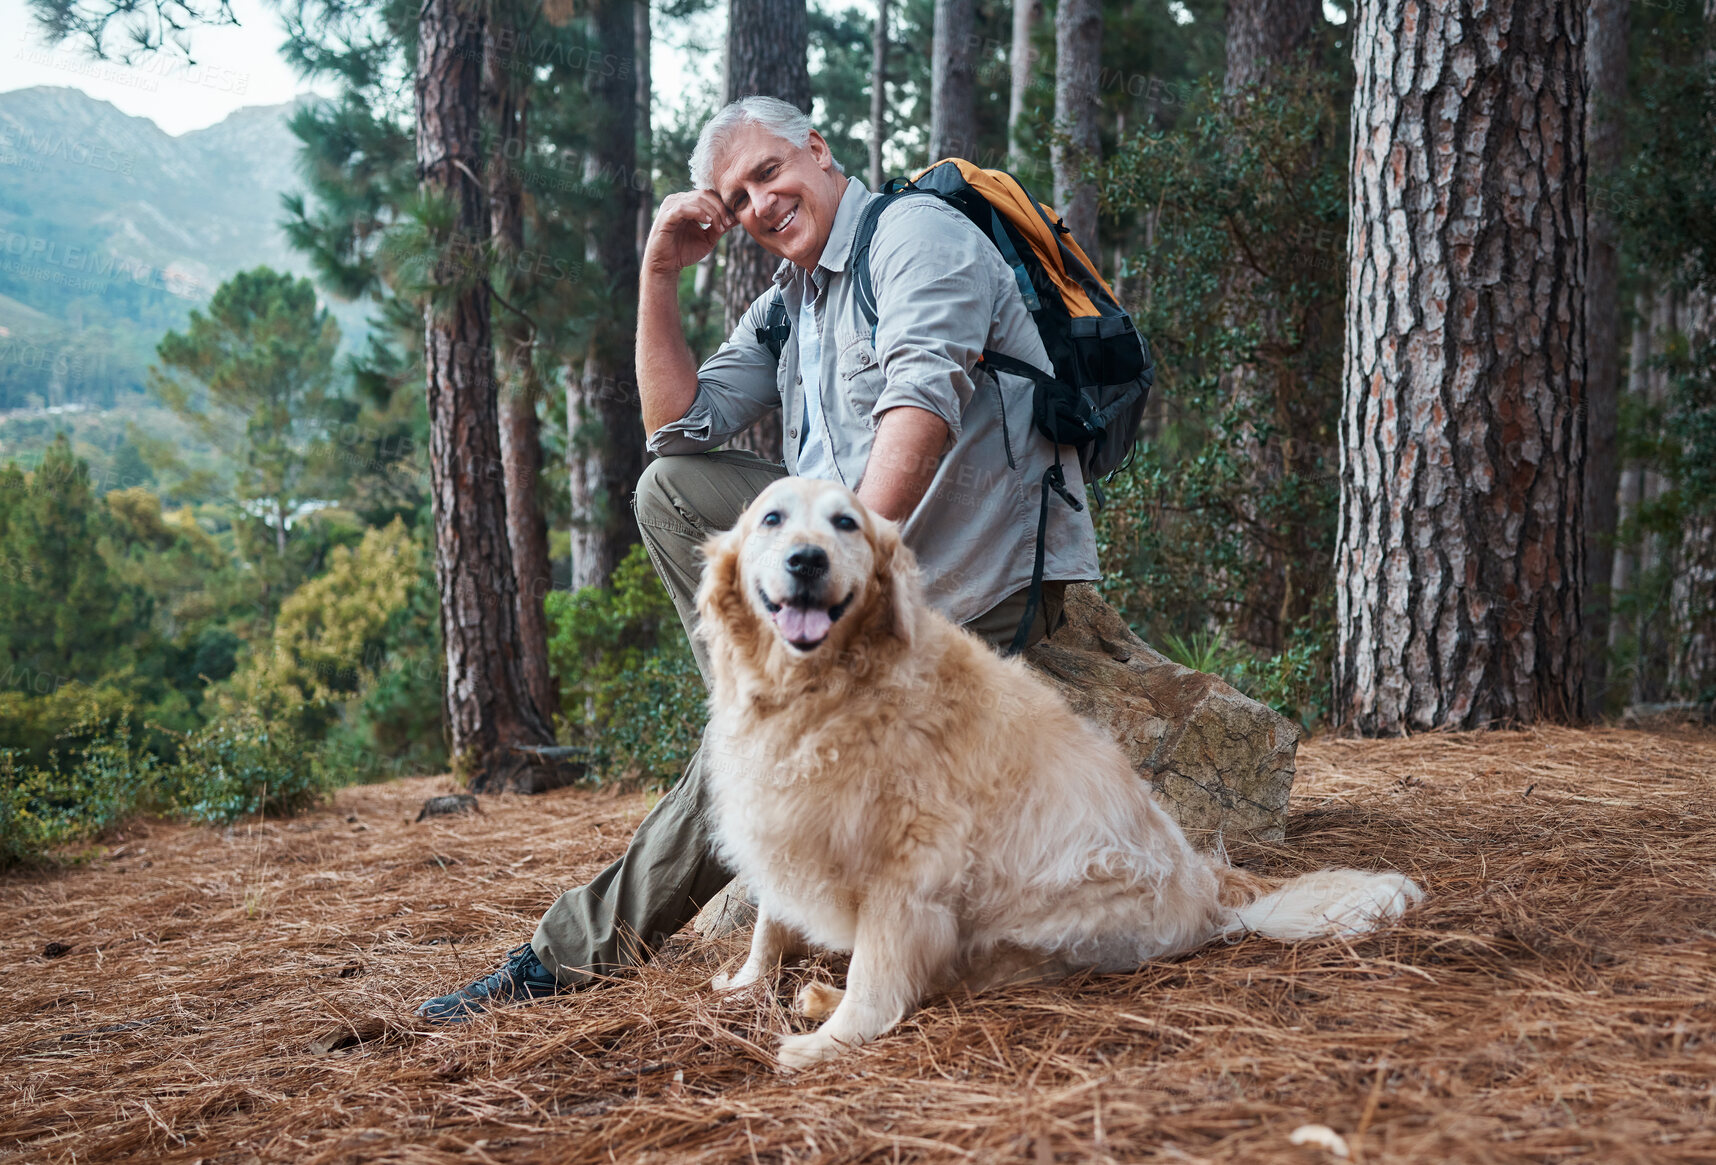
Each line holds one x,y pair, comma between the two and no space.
1460,562
606,439
1606,77
1078,70
1650,628
488,704
1264,41
646,140
1264,37
1692,596
506,95
878,93
1027,14
767,46
1630,490
953,113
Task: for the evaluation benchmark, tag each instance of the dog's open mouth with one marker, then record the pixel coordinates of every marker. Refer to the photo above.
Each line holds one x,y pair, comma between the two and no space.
802,623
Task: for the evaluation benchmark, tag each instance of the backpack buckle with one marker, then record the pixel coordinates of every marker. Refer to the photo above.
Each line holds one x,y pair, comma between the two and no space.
1058,482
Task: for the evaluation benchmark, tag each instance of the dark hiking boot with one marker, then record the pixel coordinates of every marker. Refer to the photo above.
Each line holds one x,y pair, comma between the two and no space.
522,976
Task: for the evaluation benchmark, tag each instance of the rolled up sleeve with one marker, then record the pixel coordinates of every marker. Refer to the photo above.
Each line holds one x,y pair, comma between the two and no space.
935,282
735,386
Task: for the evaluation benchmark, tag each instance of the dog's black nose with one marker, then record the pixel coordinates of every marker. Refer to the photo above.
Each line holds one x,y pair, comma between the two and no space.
807,562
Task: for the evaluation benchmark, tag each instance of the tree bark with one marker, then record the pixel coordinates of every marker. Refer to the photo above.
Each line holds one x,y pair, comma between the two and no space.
1460,561
767,46
1264,41
641,40
1629,492
1652,628
1692,594
953,68
506,94
1265,37
606,439
1027,14
488,704
878,94
1606,78
1078,69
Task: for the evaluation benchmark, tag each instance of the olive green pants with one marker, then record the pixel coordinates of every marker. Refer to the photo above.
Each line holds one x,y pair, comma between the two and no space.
670,870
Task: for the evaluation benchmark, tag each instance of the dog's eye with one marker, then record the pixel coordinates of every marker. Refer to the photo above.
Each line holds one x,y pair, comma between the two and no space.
772,518
845,522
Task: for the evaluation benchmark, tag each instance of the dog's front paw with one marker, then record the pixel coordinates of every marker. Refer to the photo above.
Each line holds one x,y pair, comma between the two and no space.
735,982
818,1000
810,1048
738,981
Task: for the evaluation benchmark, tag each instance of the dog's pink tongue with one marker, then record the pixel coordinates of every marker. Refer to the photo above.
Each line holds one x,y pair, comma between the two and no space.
803,624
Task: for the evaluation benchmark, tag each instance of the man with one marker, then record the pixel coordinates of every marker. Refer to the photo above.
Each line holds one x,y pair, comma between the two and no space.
901,415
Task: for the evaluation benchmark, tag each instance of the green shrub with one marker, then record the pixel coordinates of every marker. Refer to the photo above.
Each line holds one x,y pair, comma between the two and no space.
629,686
97,775
1294,682
32,726
241,766
100,773
1226,515
354,660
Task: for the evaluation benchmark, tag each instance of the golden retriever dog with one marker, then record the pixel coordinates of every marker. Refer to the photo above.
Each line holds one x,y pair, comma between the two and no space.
891,787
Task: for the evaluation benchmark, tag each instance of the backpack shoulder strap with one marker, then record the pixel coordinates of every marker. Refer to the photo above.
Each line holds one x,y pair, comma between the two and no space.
776,329
859,263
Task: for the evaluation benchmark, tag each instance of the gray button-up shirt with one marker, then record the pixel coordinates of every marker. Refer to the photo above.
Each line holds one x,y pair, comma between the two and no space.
943,294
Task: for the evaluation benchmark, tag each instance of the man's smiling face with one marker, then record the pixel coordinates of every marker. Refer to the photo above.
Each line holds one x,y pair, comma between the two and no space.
784,197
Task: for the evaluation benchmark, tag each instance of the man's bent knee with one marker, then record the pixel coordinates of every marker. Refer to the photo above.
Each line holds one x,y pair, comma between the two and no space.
700,492
653,499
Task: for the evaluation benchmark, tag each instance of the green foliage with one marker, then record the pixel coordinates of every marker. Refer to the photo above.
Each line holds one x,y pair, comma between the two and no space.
244,766
100,771
1204,651
1665,198
255,374
1226,516
94,777
354,656
106,604
1294,682
629,686
31,723
63,614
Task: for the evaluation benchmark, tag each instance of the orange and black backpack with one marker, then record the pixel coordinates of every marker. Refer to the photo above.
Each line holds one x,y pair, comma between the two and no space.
1093,399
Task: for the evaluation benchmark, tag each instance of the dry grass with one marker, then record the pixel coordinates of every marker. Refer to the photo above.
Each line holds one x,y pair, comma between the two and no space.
1555,1000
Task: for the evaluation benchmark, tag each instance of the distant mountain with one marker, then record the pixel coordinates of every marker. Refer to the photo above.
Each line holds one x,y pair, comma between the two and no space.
111,230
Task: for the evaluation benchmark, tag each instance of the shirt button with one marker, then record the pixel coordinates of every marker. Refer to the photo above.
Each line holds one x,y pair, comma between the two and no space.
793,434
798,380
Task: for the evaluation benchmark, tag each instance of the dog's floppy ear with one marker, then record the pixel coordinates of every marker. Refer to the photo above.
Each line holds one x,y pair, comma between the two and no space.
897,576
719,594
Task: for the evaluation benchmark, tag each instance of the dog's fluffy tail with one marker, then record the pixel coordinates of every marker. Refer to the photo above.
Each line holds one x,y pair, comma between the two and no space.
1326,902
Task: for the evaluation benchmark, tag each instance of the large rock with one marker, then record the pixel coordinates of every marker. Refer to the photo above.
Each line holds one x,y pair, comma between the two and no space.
1222,762
728,912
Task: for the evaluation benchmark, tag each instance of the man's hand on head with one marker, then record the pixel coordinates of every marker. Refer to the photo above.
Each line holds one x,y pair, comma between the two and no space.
685,231
903,460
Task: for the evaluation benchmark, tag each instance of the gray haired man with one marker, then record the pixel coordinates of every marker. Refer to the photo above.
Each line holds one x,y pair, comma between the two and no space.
900,412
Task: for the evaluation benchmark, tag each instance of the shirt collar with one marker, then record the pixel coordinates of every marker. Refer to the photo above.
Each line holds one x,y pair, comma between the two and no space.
839,246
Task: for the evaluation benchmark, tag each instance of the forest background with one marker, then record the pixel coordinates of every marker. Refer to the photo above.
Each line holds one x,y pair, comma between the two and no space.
233,620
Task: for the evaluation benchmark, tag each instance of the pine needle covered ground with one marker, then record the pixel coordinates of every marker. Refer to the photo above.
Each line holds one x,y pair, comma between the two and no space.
247,995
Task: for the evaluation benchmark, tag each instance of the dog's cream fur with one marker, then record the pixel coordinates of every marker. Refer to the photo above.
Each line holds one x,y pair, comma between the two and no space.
900,791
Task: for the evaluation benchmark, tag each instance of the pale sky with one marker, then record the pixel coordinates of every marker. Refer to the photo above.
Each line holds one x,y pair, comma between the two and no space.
236,66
